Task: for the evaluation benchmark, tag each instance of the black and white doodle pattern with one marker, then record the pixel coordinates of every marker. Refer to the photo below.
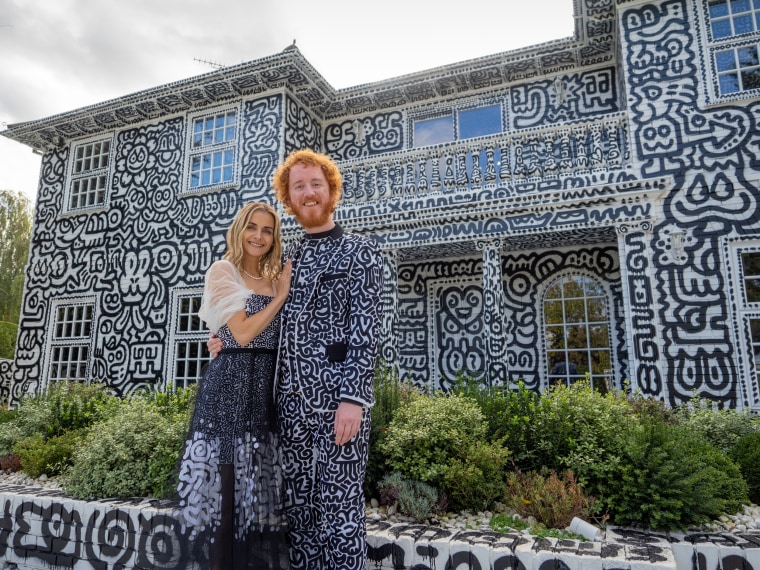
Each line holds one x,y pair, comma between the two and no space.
44,529
612,142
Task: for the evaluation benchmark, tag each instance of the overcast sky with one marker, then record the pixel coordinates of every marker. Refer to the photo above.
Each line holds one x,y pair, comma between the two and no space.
61,55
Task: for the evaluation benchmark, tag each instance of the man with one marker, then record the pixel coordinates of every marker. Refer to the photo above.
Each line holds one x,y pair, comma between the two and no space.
328,345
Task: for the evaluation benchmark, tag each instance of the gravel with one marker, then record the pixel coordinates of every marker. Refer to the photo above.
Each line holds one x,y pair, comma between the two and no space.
746,521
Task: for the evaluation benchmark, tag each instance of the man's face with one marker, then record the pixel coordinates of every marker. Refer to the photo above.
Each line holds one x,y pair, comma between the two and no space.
310,198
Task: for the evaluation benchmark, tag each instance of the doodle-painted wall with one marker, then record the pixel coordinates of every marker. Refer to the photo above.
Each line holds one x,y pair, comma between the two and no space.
613,158
711,153
127,259
443,313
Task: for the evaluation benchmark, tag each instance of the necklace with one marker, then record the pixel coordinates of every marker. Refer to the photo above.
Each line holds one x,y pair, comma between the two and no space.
251,276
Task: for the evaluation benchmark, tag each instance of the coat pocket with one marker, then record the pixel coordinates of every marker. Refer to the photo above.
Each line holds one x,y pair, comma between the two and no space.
337,352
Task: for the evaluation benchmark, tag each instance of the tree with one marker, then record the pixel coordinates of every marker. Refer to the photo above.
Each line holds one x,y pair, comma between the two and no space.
15,234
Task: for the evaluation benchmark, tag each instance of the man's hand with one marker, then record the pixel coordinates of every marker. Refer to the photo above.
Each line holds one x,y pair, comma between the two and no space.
348,420
214,345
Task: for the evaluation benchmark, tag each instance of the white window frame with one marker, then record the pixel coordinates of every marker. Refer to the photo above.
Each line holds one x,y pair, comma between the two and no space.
453,115
714,46
89,175
606,378
746,312
186,337
69,341
213,150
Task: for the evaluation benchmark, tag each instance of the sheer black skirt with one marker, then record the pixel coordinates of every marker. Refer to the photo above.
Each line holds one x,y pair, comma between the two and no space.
229,478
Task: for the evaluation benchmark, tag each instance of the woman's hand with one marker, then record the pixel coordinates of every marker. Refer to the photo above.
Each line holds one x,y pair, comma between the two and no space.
282,286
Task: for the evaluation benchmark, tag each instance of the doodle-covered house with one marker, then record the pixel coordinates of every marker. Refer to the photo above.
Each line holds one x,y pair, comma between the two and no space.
591,200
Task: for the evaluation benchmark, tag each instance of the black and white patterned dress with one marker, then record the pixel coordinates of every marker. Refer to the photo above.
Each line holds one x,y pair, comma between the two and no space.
230,481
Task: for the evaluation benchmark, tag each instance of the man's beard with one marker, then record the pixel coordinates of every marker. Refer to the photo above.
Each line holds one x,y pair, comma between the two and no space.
313,217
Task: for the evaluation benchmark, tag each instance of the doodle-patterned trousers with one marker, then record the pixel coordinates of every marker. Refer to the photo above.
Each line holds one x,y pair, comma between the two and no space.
324,495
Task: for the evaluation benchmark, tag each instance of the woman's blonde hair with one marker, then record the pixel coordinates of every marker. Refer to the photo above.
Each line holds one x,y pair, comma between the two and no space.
270,265
307,157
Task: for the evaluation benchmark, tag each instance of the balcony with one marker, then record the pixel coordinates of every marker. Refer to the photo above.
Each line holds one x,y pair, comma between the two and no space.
519,162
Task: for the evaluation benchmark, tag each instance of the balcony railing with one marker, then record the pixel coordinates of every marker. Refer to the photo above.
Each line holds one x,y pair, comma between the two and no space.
504,160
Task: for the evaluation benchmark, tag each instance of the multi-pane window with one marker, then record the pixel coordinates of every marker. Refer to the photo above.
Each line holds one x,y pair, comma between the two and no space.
738,69
733,23
70,343
190,336
734,17
89,174
470,123
750,267
577,331
212,158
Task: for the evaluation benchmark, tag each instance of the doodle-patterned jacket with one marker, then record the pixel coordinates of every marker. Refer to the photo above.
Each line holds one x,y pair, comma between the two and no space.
331,321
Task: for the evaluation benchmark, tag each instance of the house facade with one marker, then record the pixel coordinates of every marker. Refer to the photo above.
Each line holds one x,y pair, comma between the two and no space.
591,200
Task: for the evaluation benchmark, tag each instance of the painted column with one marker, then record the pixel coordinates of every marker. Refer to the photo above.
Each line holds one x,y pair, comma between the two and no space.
493,312
389,334
644,367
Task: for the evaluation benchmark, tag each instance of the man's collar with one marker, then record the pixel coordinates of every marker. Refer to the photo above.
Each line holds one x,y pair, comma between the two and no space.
334,233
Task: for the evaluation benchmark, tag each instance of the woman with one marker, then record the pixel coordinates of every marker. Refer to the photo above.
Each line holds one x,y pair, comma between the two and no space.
229,477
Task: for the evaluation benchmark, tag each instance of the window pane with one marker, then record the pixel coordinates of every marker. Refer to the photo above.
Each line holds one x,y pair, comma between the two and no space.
479,122
554,292
738,6
747,56
728,84
721,29
575,311
597,310
576,336
718,8
599,336
553,312
751,79
433,131
743,24
574,288
555,337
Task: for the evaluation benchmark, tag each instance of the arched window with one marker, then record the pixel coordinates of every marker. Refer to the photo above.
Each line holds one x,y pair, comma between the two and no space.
577,331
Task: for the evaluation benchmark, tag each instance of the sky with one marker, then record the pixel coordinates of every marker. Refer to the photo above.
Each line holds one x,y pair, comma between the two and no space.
61,55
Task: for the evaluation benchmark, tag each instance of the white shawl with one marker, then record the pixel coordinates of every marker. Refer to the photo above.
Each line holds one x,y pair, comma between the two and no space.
224,294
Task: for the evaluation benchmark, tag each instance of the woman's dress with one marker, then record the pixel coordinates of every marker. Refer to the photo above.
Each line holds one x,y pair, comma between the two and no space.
230,481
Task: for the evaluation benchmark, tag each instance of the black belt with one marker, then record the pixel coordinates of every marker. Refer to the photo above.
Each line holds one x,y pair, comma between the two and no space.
248,350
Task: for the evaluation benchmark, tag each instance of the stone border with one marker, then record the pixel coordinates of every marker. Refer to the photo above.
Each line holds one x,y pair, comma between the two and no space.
44,529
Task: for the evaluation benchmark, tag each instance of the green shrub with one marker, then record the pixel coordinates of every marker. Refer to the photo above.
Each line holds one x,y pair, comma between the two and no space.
669,478
132,453
428,431
66,406
475,479
576,426
170,401
7,414
493,402
412,498
50,456
722,427
389,393
746,454
551,499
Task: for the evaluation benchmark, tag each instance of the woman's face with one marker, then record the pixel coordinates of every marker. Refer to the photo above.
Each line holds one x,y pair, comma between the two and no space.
258,235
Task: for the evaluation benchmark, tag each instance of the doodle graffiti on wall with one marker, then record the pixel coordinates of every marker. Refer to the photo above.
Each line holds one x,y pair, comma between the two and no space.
675,136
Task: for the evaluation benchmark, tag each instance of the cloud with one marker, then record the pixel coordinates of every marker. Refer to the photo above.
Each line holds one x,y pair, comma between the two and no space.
61,55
